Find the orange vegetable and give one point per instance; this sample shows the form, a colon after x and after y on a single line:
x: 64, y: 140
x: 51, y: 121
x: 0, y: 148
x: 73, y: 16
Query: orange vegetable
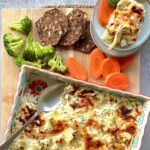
x: 105, y: 11
x: 109, y: 65
x: 117, y: 80
x: 125, y: 61
x: 76, y: 69
x: 96, y: 58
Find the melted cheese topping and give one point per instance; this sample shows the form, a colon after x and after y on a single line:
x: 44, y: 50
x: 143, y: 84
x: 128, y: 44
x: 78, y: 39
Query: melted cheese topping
x: 86, y: 120
x: 124, y: 24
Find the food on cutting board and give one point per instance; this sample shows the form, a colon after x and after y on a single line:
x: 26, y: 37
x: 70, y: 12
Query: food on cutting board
x: 70, y: 30
x: 108, y: 66
x: 23, y: 26
x: 95, y: 60
x: 59, y: 17
x: 116, y: 80
x: 56, y: 64
x: 124, y: 62
x: 86, y: 43
x: 52, y: 26
x: 13, y: 44
x: 85, y: 119
x: 73, y: 29
x: 76, y: 69
x: 33, y: 53
x: 76, y: 27
x: 104, y: 15
x: 124, y: 24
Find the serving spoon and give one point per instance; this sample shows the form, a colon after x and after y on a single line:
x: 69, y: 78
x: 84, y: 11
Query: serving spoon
x: 48, y: 100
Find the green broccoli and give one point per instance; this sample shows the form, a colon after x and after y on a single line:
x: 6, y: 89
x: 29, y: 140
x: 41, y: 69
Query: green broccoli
x: 48, y: 50
x: 13, y: 44
x: 38, y: 48
x: 56, y: 64
x: 29, y: 53
x: 42, y: 51
x: 113, y: 2
x: 23, y: 26
x: 20, y: 61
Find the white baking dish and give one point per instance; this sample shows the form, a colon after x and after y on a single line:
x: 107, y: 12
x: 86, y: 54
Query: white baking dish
x: 30, y: 74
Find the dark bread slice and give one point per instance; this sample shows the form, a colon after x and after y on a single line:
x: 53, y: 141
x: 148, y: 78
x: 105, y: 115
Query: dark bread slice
x: 50, y: 32
x: 77, y: 13
x: 85, y: 45
x: 59, y: 17
x: 73, y: 34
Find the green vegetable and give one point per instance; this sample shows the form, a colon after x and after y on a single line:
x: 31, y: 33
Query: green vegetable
x: 20, y: 61
x: 113, y: 2
x: 42, y: 51
x: 23, y: 26
x: 29, y: 53
x: 13, y: 44
x: 38, y: 48
x: 56, y: 64
x: 48, y: 49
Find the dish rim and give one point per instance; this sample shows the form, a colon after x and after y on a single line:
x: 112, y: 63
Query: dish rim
x: 129, y: 48
x: 67, y: 79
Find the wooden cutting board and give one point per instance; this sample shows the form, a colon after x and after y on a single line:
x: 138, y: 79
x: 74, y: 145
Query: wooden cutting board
x: 10, y: 72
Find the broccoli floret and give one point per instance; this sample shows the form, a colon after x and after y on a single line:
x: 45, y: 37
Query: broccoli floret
x: 13, y: 44
x: 113, y: 2
x: 38, y: 48
x: 29, y: 53
x: 56, y: 64
x: 23, y: 26
x: 48, y: 50
x: 20, y: 61
x: 42, y: 51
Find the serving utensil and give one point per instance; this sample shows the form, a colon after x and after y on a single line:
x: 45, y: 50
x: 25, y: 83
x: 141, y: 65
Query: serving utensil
x: 48, y: 100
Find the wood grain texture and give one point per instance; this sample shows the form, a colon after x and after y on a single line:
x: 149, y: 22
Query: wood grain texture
x: 10, y: 72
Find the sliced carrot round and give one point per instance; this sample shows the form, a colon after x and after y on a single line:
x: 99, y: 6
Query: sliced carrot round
x: 124, y: 61
x: 103, y: 15
x: 96, y: 58
x: 76, y: 69
x: 117, y: 80
x: 109, y: 65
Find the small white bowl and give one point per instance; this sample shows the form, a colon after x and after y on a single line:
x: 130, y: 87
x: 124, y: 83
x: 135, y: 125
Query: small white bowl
x: 97, y: 31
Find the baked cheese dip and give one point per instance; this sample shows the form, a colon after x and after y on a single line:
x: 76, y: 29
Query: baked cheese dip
x: 86, y: 119
x: 124, y: 24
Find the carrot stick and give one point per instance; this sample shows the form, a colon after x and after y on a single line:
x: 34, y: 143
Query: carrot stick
x: 125, y: 61
x: 109, y: 65
x: 117, y: 80
x: 96, y: 58
x: 76, y: 69
x: 105, y: 11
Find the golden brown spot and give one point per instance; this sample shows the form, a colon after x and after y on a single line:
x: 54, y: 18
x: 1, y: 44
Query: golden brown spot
x: 91, y: 144
x: 59, y: 126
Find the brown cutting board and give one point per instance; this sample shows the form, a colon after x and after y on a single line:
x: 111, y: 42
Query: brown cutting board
x: 10, y: 72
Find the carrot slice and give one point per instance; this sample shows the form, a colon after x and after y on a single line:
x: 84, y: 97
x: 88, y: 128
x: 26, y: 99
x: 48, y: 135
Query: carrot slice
x: 105, y: 11
x: 125, y: 61
x: 76, y: 69
x: 96, y: 58
x: 117, y: 80
x: 109, y: 65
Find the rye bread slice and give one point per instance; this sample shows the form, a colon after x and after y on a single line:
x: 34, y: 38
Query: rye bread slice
x: 73, y: 34
x: 50, y: 32
x: 59, y: 17
x: 76, y: 27
x: 85, y: 45
x: 77, y: 13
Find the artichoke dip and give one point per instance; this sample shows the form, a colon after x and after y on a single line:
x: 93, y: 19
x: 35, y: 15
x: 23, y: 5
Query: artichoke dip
x: 86, y: 119
x: 124, y: 24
